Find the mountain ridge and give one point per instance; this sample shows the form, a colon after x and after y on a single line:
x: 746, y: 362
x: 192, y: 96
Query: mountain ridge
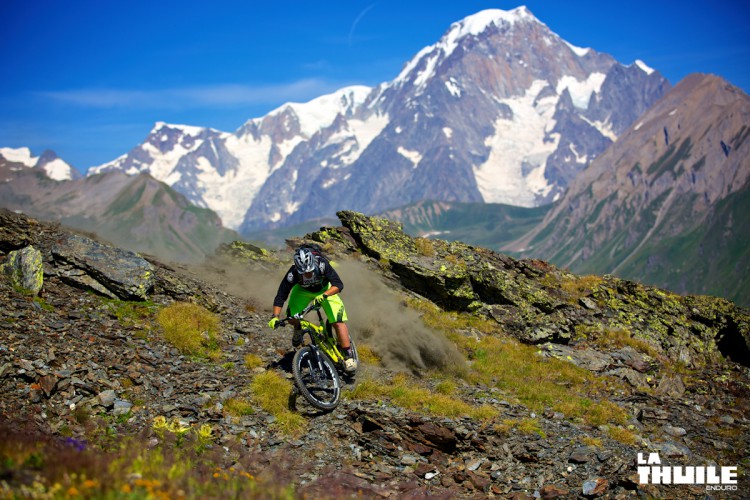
x: 494, y: 79
x: 136, y: 212
x: 661, y: 206
x: 662, y: 179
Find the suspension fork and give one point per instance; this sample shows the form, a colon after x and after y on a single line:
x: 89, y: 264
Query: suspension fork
x: 315, y: 355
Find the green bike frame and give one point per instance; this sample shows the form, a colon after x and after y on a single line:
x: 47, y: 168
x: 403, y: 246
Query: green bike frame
x: 325, y: 340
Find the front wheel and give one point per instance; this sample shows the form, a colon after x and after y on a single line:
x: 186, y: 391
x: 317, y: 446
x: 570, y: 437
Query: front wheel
x: 316, y: 378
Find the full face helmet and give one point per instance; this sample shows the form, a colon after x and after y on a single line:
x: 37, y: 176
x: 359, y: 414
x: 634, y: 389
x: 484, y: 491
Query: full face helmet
x: 304, y: 260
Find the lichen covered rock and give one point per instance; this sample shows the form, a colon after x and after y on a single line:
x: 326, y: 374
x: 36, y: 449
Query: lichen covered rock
x: 105, y: 269
x: 538, y: 302
x: 25, y: 269
x: 247, y: 253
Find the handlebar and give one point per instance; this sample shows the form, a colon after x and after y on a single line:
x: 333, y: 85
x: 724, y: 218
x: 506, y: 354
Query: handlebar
x: 311, y: 307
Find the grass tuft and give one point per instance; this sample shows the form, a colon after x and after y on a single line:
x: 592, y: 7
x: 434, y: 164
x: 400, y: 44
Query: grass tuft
x: 253, y: 361
x: 192, y: 329
x: 238, y: 407
x: 525, y: 426
x: 622, y: 435
x: 517, y: 369
x: 271, y: 391
x: 425, y: 247
x: 403, y: 391
x: 368, y: 356
x: 614, y: 338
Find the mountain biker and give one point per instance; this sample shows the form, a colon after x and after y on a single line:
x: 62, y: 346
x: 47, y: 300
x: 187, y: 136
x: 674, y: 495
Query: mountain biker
x: 312, y: 278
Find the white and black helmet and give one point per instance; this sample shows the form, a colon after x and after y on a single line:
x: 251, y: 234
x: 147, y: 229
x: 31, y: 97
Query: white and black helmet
x: 304, y: 260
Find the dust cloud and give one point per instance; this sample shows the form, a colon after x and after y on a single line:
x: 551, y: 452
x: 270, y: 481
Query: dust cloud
x: 379, y: 318
x: 377, y: 315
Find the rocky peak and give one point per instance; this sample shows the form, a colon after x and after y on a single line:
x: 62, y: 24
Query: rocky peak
x: 165, y: 137
x: 52, y: 166
x: 680, y: 165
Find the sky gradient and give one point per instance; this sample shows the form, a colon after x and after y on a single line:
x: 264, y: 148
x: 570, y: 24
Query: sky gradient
x: 88, y: 79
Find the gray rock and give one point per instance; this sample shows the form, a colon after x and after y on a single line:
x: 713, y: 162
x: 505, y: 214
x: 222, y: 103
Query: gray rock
x: 25, y: 269
x: 726, y: 419
x: 588, y: 303
x: 674, y: 431
x: 121, y: 407
x: 107, y: 398
x: 673, y: 449
x: 585, y: 358
x: 595, y: 487
x: 473, y: 465
x: 582, y: 454
x: 120, y: 272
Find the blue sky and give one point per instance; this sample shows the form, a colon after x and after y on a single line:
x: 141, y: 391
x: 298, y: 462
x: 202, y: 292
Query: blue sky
x: 88, y: 79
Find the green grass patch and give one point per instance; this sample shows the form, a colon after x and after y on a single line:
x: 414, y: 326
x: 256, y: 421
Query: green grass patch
x: 527, y: 426
x: 238, y: 407
x: 253, y: 361
x: 613, y: 338
x: 516, y: 369
x: 541, y: 383
x: 622, y: 435
x: 271, y: 392
x: 191, y: 328
x: 406, y: 392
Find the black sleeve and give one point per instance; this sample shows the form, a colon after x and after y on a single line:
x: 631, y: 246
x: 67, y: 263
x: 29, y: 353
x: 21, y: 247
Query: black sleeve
x: 332, y: 276
x: 286, y: 285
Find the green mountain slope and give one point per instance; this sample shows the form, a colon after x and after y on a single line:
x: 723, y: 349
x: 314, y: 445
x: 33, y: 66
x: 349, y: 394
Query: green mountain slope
x: 713, y: 258
x: 138, y: 213
x: 489, y: 225
x: 666, y: 204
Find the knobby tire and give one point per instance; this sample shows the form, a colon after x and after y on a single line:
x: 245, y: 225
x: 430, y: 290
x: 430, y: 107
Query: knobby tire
x: 323, y: 394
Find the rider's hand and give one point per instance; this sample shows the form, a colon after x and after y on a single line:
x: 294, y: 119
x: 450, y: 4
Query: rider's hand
x: 273, y: 323
x: 319, y: 299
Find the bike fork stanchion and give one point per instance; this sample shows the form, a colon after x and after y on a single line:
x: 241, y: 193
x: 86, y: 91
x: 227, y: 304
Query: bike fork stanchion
x: 316, y: 359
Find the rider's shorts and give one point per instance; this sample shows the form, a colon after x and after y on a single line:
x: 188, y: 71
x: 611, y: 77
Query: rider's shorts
x: 333, y: 306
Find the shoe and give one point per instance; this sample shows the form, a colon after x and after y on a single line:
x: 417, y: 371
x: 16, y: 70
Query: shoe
x: 297, y: 338
x: 350, y: 365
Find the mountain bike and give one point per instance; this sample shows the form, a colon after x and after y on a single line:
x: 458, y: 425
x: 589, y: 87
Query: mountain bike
x: 318, y: 367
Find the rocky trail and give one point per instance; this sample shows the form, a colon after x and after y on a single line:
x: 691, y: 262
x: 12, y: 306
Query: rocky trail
x: 70, y: 360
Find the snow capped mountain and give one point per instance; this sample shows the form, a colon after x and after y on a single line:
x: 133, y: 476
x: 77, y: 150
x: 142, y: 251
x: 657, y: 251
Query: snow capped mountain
x: 428, y: 59
x: 20, y: 155
x: 224, y: 171
x: 52, y: 166
x: 500, y: 109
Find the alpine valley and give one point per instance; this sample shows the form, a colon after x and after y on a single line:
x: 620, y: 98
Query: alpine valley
x: 500, y: 134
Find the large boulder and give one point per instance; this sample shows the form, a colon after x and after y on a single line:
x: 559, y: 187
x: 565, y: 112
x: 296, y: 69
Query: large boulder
x: 110, y: 271
x: 25, y: 269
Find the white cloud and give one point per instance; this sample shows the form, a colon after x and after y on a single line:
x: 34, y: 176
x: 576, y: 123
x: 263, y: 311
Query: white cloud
x: 220, y: 95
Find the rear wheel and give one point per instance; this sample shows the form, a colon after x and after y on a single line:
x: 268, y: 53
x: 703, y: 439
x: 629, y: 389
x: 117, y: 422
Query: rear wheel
x: 353, y: 347
x: 348, y: 377
x: 316, y: 378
